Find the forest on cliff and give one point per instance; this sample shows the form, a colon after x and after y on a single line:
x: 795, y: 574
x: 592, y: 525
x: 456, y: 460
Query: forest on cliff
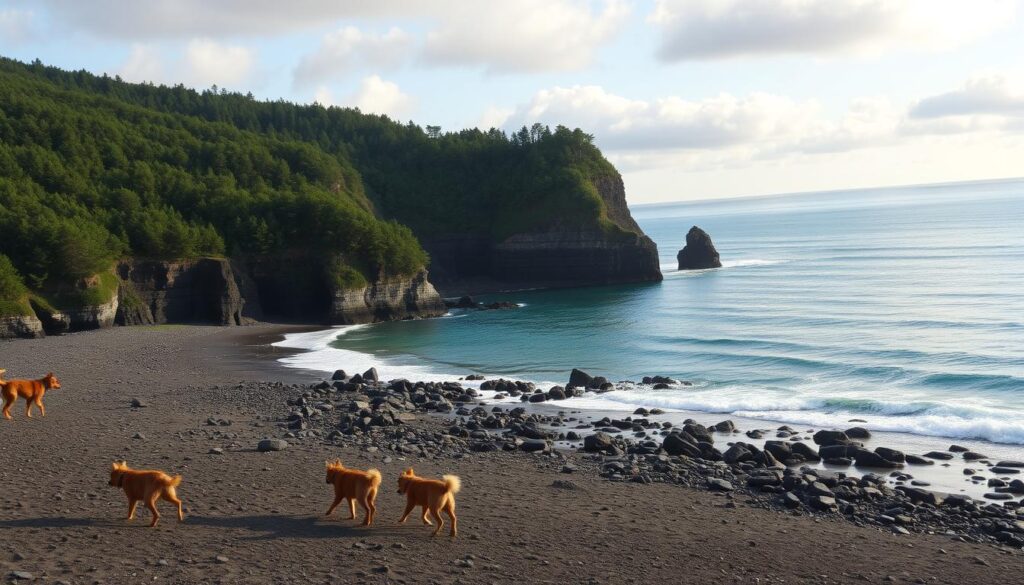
x: 93, y: 169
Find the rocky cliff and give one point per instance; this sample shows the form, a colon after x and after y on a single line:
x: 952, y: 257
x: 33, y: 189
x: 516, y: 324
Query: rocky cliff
x: 560, y: 253
x: 20, y: 326
x: 204, y: 290
x: 387, y: 299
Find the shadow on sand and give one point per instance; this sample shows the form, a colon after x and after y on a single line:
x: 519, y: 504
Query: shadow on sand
x: 280, y: 526
x: 56, y: 522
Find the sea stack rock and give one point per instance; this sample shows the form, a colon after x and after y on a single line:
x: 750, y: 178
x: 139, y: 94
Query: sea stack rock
x: 699, y: 252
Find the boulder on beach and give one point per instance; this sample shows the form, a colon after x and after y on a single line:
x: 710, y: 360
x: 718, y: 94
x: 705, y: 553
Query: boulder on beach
x: 271, y: 445
x: 699, y: 252
x: 826, y: 438
x: 597, y: 442
x: 579, y: 379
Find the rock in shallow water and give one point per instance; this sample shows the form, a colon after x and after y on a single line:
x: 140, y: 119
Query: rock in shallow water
x: 699, y: 252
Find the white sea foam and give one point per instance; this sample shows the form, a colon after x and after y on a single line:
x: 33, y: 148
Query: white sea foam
x: 964, y: 419
x: 320, y: 355
x: 673, y: 267
x: 961, y: 421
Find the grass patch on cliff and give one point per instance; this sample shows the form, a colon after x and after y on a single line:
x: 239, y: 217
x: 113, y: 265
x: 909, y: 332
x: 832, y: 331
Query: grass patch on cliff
x: 68, y: 297
x: 13, y: 293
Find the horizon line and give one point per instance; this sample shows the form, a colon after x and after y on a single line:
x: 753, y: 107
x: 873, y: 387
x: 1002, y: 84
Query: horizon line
x: 833, y: 191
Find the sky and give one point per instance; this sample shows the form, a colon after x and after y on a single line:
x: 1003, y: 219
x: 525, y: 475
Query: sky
x: 690, y: 99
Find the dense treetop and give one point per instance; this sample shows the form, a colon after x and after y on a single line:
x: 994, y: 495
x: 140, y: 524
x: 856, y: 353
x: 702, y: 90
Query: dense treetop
x: 93, y: 169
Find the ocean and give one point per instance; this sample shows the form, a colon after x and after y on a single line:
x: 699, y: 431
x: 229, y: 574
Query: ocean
x: 903, y: 307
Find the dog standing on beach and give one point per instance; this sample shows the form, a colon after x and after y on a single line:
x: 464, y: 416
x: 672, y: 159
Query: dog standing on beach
x: 31, y: 390
x: 434, y: 495
x: 354, y: 485
x: 145, y: 485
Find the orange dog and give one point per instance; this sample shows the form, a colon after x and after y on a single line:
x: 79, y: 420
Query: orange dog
x: 146, y: 486
x: 434, y: 495
x: 354, y: 485
x: 31, y: 390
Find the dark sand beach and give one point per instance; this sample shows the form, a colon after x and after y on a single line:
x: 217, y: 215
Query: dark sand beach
x: 256, y: 517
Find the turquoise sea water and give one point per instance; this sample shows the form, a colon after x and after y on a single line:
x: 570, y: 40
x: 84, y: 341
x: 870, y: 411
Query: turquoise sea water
x: 903, y: 306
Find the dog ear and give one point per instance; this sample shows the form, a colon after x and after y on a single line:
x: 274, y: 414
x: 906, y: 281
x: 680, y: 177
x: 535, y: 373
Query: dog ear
x: 408, y: 471
x: 50, y: 375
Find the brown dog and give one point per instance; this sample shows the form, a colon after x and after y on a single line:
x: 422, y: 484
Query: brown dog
x: 31, y: 390
x: 354, y: 485
x: 434, y: 495
x: 146, y: 486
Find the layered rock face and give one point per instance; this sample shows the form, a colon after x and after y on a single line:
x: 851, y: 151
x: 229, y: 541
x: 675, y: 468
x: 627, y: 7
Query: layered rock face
x: 387, y: 299
x: 20, y: 326
x: 558, y: 255
x: 699, y: 252
x: 574, y: 258
x: 204, y: 290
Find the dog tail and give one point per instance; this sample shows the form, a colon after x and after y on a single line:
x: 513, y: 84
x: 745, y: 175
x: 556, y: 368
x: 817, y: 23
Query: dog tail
x: 452, y: 483
x: 374, y: 477
x: 175, y: 481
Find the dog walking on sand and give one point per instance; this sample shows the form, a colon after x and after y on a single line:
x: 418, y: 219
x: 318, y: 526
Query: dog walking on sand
x: 145, y: 485
x: 31, y: 390
x: 433, y: 495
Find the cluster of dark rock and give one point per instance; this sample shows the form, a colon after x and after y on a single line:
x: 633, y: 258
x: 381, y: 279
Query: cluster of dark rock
x: 467, y: 302
x: 377, y: 416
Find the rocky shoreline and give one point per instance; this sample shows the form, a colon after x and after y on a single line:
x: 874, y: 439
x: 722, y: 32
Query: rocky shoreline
x: 200, y: 402
x: 449, y: 420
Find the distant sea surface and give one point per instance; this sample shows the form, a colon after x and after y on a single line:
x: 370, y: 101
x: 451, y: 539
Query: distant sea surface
x: 901, y: 306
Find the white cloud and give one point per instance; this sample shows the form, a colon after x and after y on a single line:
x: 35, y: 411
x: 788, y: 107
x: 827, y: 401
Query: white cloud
x: 494, y: 117
x: 989, y: 95
x: 144, y: 64
x: 208, y: 62
x: 349, y: 49
x: 761, y: 121
x: 527, y: 35
x: 199, y: 63
x: 374, y: 96
x: 151, y: 20
x: 15, y: 26
x: 711, y: 29
x: 506, y: 36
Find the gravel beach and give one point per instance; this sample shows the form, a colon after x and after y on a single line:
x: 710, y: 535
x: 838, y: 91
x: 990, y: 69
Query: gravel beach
x: 197, y: 401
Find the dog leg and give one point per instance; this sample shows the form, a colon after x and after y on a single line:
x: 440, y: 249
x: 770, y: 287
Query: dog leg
x: 151, y: 504
x: 8, y: 402
x: 440, y: 521
x: 371, y: 500
x: 39, y: 404
x: 351, y: 508
x: 28, y: 408
x: 171, y: 496
x: 337, y: 500
x: 408, y: 510
x: 131, y: 508
x: 424, y: 517
x: 365, y: 504
x: 450, y: 510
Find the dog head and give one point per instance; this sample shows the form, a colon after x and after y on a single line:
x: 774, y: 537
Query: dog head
x: 332, y: 469
x: 403, y: 480
x: 50, y: 381
x: 117, y: 470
